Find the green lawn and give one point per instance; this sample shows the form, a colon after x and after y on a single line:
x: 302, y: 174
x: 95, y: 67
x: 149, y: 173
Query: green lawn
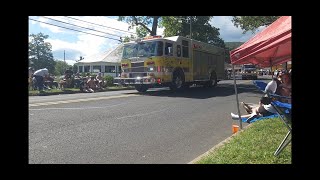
x: 253, y: 145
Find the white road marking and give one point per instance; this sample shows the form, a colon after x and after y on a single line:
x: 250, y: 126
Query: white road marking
x: 141, y: 114
x: 79, y: 100
x: 80, y: 108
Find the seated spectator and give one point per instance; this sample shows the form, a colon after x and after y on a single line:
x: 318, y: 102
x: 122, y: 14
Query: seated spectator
x: 68, y: 73
x: 263, y: 109
x: 84, y: 86
x: 92, y: 84
x: 284, y: 89
x: 100, y: 80
x: 77, y: 80
x: 50, y: 82
x: 285, y: 86
x: 272, y: 86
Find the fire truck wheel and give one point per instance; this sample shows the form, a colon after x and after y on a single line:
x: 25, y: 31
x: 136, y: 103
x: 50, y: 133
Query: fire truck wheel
x: 213, y: 80
x: 141, y: 88
x: 177, y: 81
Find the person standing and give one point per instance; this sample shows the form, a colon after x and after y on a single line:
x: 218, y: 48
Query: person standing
x: 272, y: 86
x: 68, y: 75
x: 30, y: 77
x: 40, y: 75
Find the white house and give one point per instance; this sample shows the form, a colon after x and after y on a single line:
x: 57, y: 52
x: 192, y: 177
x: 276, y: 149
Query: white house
x: 108, y: 62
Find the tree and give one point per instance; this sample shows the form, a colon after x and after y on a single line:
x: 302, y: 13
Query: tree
x: 142, y: 21
x: 60, y: 67
x: 40, y: 53
x: 201, y: 29
x: 176, y: 25
x: 75, y: 68
x: 230, y: 46
x: 251, y: 23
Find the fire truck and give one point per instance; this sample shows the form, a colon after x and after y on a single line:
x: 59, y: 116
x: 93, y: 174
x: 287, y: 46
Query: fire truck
x: 176, y: 62
x: 249, y: 71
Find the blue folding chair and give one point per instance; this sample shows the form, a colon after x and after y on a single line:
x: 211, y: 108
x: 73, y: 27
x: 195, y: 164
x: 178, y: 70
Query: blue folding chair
x: 260, y: 85
x: 251, y: 120
x: 284, y: 112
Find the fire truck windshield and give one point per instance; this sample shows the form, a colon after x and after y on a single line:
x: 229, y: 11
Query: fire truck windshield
x: 143, y: 49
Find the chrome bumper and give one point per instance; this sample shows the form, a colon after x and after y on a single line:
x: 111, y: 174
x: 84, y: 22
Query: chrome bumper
x: 138, y: 80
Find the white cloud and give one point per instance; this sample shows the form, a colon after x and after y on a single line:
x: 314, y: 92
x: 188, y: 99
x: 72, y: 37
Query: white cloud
x: 52, y: 28
x: 78, y: 44
x: 160, y: 31
x: 230, y: 33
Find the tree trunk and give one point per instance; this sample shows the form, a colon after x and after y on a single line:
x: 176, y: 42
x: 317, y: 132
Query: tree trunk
x: 154, y: 25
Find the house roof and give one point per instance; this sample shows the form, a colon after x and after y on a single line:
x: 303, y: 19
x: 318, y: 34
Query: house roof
x: 113, y: 56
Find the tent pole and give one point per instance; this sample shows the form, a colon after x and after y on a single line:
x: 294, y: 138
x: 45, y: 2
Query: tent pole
x: 235, y: 89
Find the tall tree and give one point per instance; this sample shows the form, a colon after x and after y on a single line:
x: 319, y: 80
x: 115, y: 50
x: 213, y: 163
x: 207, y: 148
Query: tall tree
x: 60, y: 67
x: 140, y: 31
x: 176, y: 25
x: 40, y: 52
x: 251, y: 23
x: 142, y: 21
x: 200, y: 28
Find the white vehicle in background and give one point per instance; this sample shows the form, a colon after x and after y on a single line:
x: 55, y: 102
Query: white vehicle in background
x: 249, y: 71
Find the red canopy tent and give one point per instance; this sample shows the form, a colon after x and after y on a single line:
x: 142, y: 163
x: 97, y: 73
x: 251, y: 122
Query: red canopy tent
x: 272, y: 46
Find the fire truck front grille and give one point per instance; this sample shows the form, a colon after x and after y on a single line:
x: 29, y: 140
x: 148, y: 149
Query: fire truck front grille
x: 134, y: 75
x: 138, y: 69
x: 139, y: 64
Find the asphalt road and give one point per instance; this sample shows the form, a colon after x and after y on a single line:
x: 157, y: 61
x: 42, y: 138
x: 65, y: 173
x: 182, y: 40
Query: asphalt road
x: 126, y: 127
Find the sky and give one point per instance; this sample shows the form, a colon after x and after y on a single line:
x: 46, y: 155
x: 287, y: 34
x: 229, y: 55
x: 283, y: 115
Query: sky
x: 73, y: 38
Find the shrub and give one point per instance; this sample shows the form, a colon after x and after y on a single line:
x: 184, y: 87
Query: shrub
x: 109, y: 80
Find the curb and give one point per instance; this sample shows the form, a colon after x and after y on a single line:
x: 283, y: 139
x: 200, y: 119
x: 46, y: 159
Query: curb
x: 218, y: 145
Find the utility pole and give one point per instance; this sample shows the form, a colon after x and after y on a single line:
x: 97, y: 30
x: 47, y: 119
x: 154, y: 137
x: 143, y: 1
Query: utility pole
x: 64, y: 55
x: 190, y: 29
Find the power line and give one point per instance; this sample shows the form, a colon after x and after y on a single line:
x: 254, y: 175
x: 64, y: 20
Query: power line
x: 80, y: 26
x: 75, y: 30
x: 100, y: 25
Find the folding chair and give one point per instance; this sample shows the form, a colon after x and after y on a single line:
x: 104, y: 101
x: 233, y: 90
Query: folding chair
x: 258, y: 118
x: 284, y: 112
x: 260, y: 85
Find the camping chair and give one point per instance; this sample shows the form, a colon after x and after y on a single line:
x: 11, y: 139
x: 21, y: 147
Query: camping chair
x: 284, y: 112
x: 260, y: 85
x: 254, y: 119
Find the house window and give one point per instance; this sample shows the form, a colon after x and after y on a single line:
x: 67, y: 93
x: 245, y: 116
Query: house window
x: 86, y: 68
x: 80, y: 69
x: 96, y: 68
x: 110, y: 69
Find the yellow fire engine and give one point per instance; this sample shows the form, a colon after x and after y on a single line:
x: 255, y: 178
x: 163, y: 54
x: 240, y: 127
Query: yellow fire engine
x: 176, y: 62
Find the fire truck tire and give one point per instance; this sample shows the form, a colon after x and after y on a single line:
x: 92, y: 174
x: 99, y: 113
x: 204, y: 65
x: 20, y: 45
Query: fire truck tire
x: 177, y: 81
x: 213, y: 80
x: 141, y: 88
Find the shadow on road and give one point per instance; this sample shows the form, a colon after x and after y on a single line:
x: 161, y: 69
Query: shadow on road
x: 204, y: 93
